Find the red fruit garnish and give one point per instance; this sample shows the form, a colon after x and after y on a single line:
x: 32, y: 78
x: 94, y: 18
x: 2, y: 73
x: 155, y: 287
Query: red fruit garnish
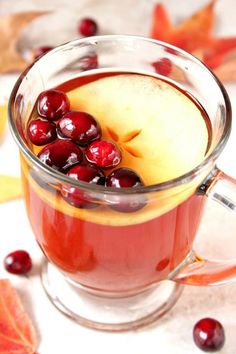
x: 86, y: 173
x: 41, y: 131
x: 38, y: 52
x: 103, y: 154
x: 163, y: 66
x: 80, y: 127
x: 52, y: 104
x: 125, y: 178
x: 208, y: 334
x: 18, y: 262
x: 18, y: 335
x: 61, y: 155
x: 87, y: 27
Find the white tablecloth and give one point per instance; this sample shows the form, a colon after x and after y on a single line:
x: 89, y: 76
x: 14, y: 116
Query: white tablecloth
x: 173, y: 333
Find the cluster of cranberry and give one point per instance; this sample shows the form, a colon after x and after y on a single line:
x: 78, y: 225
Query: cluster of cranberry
x: 72, y: 144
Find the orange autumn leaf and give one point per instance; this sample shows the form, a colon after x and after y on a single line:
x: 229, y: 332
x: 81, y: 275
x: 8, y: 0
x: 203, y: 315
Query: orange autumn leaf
x: 11, y: 27
x: 226, y: 71
x: 215, y: 55
x: 161, y: 24
x: 195, y: 35
x: 191, y: 34
x: 196, y: 31
x: 17, y: 334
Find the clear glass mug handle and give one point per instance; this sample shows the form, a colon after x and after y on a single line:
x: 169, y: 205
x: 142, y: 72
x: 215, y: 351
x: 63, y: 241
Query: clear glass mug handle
x: 199, y: 271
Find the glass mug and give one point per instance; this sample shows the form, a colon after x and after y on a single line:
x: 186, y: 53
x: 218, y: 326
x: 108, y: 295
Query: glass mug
x: 106, y: 269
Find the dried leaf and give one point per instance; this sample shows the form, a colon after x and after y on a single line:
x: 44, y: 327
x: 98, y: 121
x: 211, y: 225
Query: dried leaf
x: 3, y: 119
x: 227, y: 71
x: 10, y: 188
x: 11, y: 27
x: 195, y: 35
x: 196, y: 31
x: 217, y: 53
x: 161, y: 25
x: 17, y: 334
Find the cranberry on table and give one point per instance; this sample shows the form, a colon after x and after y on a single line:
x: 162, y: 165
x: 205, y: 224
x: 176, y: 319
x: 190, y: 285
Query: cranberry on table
x: 52, y: 104
x: 103, y: 153
x: 61, y: 155
x: 209, y: 335
x: 18, y: 262
x: 125, y: 178
x: 41, y: 131
x: 80, y: 127
x: 38, y: 52
x: 86, y: 173
x: 87, y: 27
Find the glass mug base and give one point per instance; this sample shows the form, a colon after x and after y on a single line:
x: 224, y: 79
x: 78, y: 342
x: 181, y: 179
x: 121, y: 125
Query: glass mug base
x: 94, y: 310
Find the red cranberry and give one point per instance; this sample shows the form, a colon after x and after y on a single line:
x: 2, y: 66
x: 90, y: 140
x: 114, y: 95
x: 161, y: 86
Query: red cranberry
x: 208, y: 334
x: 52, y: 104
x: 125, y: 178
x: 38, y: 52
x: 18, y: 262
x: 61, y: 155
x: 87, y: 27
x: 163, y: 66
x: 86, y: 173
x: 80, y: 127
x: 103, y: 153
x: 41, y: 132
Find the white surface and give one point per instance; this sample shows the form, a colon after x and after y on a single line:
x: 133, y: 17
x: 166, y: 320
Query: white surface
x: 173, y: 333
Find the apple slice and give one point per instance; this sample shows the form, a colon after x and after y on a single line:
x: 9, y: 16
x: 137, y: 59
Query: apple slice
x: 160, y: 131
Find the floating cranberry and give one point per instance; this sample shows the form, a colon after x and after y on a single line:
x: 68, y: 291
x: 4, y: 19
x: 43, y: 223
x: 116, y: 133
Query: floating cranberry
x: 163, y: 66
x: 38, y: 52
x: 61, y: 155
x: 86, y: 173
x: 208, y: 334
x: 18, y: 262
x: 52, y: 104
x: 103, y: 153
x: 41, y: 131
x: 80, y: 127
x: 87, y: 27
x: 125, y: 178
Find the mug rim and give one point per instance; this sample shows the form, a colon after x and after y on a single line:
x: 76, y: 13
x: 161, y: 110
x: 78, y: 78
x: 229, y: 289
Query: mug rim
x: 185, y: 178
